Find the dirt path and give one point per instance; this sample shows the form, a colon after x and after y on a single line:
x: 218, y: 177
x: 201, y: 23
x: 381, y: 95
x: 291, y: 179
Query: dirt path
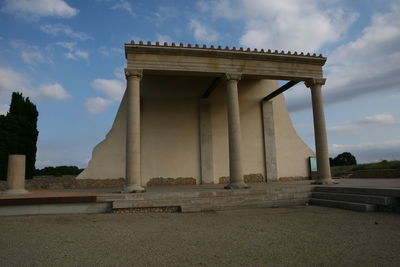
x: 301, y: 236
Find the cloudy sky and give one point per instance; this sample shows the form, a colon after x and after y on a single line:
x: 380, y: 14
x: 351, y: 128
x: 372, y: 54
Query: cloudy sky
x: 68, y: 57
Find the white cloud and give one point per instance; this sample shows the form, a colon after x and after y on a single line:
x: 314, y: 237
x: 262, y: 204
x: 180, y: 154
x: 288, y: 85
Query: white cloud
x: 371, y: 151
x: 123, y: 5
x: 119, y: 4
x: 106, y: 51
x: 119, y: 73
x: 53, y: 91
x: 164, y: 14
x: 97, y: 104
x: 112, y: 88
x: 39, y: 8
x: 72, y: 52
x: 30, y: 54
x: 32, y: 57
x: 202, y: 32
x: 11, y: 81
x: 377, y: 120
x: 290, y: 25
x: 61, y: 29
x: 4, y: 109
x: 163, y: 38
x: 366, y: 65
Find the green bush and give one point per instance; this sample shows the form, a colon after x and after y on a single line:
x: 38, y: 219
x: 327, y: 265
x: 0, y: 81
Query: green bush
x: 344, y: 159
x: 58, y: 171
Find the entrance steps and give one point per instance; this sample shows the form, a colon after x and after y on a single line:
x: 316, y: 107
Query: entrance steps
x: 357, y: 199
x: 157, y: 199
x: 39, y: 204
x: 209, y: 200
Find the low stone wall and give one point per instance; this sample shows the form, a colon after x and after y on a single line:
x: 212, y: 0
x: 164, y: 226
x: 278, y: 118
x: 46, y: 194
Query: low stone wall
x: 252, y: 178
x: 288, y: 179
x: 171, y: 181
x: 392, y: 173
x: 67, y: 182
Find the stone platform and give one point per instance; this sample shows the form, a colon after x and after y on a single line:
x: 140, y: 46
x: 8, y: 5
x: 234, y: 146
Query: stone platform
x: 162, y: 198
x: 192, y: 198
x: 210, y: 198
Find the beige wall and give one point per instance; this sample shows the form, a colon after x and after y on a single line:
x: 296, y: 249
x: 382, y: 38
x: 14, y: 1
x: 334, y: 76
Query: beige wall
x: 291, y: 152
x: 250, y: 93
x: 170, y: 127
x: 170, y: 132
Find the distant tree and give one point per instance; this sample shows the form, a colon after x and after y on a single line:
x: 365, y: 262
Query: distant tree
x: 18, y: 133
x: 59, y: 170
x: 344, y: 159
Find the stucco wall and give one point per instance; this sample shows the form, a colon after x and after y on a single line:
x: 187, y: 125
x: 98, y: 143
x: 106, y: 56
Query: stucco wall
x: 170, y: 132
x: 292, y: 153
x: 170, y: 126
x: 250, y: 93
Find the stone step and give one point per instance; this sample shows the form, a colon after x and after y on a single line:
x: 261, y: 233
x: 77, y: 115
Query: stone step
x: 214, y: 202
x: 343, y: 205
x: 390, y: 192
x: 367, y: 199
x: 57, y: 208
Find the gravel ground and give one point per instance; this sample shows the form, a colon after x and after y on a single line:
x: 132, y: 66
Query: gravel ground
x: 297, y: 236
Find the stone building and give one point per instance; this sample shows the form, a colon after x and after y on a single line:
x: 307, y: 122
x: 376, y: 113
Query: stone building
x: 209, y: 113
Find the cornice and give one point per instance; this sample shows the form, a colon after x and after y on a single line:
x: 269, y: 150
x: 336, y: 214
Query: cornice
x: 219, y: 52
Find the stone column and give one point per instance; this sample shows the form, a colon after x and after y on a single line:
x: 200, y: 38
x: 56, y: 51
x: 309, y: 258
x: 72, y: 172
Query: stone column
x: 271, y: 164
x: 234, y: 132
x: 206, y: 142
x: 321, y: 141
x: 133, y: 173
x: 16, y: 175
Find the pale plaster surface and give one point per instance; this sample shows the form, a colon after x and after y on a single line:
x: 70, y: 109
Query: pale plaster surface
x: 292, y: 153
x: 171, y: 132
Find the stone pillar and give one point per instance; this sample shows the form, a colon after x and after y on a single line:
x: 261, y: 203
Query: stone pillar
x: 132, y: 171
x: 16, y: 175
x: 321, y: 141
x: 271, y: 164
x: 234, y: 132
x: 206, y: 142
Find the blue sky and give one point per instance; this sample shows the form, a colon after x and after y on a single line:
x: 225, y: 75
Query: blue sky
x: 67, y: 56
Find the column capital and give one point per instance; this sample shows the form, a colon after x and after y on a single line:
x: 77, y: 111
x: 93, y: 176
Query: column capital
x: 133, y: 72
x: 232, y: 76
x: 314, y: 81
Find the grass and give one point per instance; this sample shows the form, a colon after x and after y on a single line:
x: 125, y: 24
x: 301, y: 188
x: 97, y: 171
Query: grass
x: 384, y: 164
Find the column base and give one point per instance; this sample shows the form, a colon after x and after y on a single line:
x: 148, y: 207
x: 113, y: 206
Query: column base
x: 133, y: 189
x: 324, y: 181
x: 237, y: 185
x: 15, y: 192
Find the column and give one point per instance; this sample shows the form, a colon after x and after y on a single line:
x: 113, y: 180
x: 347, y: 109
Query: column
x: 321, y: 141
x: 234, y: 133
x: 16, y: 175
x: 271, y: 165
x: 206, y: 142
x: 133, y: 174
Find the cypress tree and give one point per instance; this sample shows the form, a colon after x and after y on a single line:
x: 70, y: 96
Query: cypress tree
x: 18, y: 134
